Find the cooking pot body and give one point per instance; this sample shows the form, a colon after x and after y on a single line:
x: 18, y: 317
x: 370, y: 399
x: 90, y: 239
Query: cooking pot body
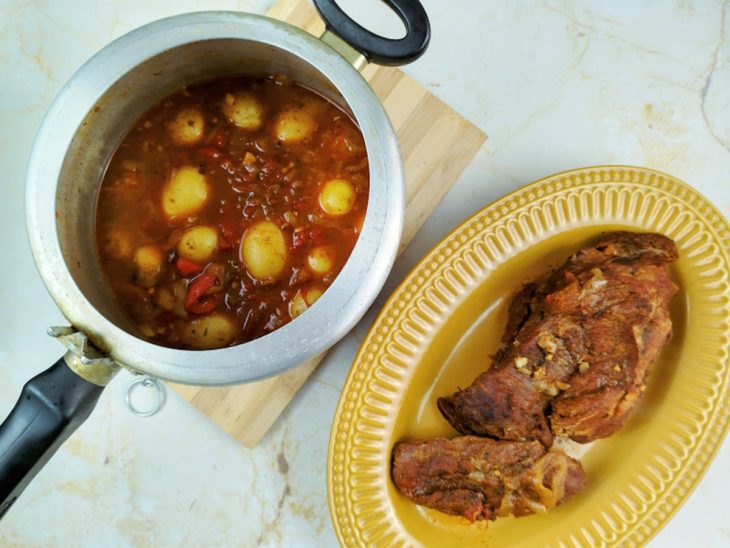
x: 95, y: 110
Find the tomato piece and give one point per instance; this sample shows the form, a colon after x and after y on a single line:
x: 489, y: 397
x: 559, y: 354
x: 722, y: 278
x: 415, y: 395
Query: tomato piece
x: 187, y: 268
x: 270, y: 167
x: 211, y: 153
x: 228, y: 233
x: 304, y: 236
x: 317, y: 234
x: 196, y: 300
x: 220, y: 138
x: 228, y: 166
x: 299, y: 239
x: 250, y: 208
x: 225, y: 243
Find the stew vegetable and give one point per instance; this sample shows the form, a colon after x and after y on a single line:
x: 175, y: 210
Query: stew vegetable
x: 228, y: 210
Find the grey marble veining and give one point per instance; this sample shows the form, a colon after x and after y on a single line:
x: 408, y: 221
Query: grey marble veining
x: 555, y: 85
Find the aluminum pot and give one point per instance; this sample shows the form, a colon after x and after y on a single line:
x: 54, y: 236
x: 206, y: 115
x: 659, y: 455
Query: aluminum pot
x: 87, y: 121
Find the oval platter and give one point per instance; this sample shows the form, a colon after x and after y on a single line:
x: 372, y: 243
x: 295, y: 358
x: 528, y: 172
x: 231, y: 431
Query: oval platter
x: 438, y: 329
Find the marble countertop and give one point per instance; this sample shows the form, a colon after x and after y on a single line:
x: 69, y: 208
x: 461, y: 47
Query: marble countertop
x: 555, y: 84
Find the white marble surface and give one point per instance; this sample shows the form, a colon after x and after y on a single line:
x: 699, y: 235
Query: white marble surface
x: 555, y: 84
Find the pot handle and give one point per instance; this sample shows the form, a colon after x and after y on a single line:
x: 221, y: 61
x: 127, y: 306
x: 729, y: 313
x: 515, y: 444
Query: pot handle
x: 384, y: 51
x: 51, y: 407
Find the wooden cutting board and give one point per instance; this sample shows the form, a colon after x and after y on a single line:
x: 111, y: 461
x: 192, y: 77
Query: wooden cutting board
x: 436, y: 145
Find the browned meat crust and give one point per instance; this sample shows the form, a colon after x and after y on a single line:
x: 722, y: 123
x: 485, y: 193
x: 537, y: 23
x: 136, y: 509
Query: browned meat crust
x: 578, y: 346
x: 482, y: 479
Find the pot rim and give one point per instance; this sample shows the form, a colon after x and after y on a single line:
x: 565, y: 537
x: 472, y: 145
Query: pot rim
x: 345, y: 301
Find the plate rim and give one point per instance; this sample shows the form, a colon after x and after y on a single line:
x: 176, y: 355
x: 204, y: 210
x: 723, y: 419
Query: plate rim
x: 651, y: 520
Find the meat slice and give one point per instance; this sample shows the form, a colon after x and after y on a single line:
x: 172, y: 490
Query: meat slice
x: 627, y: 322
x: 578, y: 346
x: 482, y: 479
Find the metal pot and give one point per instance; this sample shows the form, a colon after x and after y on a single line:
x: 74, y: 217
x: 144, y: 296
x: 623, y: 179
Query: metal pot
x: 85, y: 124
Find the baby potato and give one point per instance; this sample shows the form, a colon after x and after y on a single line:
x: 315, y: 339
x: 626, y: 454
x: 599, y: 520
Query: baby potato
x: 185, y: 193
x: 172, y: 298
x: 118, y: 243
x: 312, y: 295
x: 263, y: 250
x: 294, y: 125
x: 297, y: 305
x: 337, y: 197
x: 165, y: 298
x: 243, y: 110
x: 213, y: 331
x: 146, y: 330
x: 321, y: 259
x: 198, y: 243
x: 148, y: 265
x: 302, y: 300
x: 187, y: 128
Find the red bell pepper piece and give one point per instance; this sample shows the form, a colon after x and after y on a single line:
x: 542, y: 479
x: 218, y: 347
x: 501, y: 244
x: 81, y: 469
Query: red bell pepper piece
x: 196, y: 301
x: 187, y: 268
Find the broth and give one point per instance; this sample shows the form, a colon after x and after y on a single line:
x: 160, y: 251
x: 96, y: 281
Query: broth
x: 228, y: 210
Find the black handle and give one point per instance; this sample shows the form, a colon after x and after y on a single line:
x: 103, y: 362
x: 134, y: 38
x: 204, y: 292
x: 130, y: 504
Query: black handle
x: 384, y: 51
x: 51, y: 406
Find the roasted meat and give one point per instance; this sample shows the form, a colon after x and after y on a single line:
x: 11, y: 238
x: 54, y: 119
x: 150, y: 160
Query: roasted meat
x: 578, y: 346
x: 482, y: 479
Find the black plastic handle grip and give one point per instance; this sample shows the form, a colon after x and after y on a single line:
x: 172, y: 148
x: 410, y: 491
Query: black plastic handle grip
x: 384, y: 51
x: 51, y: 406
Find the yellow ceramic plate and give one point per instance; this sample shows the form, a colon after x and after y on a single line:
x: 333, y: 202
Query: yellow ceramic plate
x: 439, y: 327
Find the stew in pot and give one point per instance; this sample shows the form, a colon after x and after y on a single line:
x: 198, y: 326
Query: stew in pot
x: 228, y: 210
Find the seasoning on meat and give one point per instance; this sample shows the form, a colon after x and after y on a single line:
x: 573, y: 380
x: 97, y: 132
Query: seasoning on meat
x: 578, y: 346
x: 482, y: 479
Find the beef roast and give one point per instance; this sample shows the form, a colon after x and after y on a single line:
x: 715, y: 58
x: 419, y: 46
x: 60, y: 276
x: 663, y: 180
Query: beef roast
x: 578, y: 346
x: 482, y: 479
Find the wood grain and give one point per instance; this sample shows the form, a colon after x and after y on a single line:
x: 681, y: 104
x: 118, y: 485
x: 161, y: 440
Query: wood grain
x: 436, y: 144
